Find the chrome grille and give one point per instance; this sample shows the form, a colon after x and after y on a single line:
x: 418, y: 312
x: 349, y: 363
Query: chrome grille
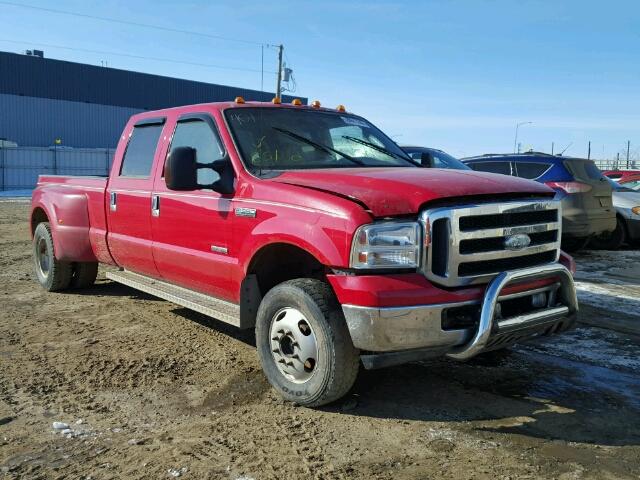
x: 466, y: 245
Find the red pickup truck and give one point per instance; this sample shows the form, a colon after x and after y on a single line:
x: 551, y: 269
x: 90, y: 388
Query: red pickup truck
x: 315, y: 228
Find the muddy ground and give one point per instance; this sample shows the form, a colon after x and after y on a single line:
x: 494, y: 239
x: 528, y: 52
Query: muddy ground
x: 150, y: 390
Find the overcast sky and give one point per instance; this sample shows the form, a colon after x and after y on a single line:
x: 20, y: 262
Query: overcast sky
x: 456, y: 75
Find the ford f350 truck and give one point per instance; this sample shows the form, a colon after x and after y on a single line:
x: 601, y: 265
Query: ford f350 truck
x: 313, y: 227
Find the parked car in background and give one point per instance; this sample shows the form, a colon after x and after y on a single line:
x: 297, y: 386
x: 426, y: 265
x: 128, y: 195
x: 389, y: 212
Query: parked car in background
x: 620, y: 175
x: 434, y: 158
x: 631, y: 182
x: 587, y: 207
x: 627, y: 204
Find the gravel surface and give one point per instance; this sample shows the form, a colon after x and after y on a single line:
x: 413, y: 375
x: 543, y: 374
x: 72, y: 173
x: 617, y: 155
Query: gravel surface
x: 110, y: 383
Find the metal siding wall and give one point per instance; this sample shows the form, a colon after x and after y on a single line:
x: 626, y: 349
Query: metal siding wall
x: 60, y: 80
x: 20, y: 166
x: 39, y: 121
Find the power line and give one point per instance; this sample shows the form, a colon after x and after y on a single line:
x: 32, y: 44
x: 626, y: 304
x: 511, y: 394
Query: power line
x: 129, y: 55
x: 130, y: 23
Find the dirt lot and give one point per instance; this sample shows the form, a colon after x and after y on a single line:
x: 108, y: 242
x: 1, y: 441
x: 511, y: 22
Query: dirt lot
x: 150, y: 390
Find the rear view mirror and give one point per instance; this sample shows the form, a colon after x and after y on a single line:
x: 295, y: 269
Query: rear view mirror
x: 180, y: 169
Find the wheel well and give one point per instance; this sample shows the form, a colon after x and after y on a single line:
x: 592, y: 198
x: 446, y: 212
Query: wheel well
x: 38, y: 216
x: 270, y: 266
x: 280, y: 262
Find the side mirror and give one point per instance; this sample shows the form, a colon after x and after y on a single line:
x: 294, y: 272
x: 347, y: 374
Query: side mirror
x: 426, y: 160
x: 180, y: 169
x: 181, y: 172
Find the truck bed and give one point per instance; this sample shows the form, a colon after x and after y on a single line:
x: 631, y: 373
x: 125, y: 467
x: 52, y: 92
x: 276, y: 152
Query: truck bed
x: 75, y: 208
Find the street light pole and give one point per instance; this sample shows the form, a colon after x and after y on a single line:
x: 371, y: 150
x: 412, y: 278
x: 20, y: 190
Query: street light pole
x: 515, y: 141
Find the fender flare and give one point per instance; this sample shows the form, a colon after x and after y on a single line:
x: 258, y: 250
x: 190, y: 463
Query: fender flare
x: 68, y: 215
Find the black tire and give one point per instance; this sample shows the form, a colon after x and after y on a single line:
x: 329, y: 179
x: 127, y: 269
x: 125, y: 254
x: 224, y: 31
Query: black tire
x: 51, y: 273
x: 610, y: 240
x: 572, y: 244
x: 338, y: 360
x: 84, y: 274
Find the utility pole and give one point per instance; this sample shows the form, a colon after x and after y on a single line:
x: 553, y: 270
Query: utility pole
x: 278, y: 85
x: 589, y: 151
x: 628, y: 145
x: 552, y: 145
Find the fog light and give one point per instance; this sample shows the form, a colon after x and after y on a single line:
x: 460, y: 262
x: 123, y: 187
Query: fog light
x: 539, y: 300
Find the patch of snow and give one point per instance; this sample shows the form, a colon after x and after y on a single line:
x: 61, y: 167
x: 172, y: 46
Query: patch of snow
x: 60, y: 426
x: 175, y: 472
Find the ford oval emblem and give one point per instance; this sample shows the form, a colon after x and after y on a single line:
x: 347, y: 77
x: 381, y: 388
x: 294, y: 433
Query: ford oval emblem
x: 517, y: 242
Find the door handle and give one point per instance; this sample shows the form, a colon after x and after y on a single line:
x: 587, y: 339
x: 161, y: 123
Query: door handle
x: 112, y: 201
x: 155, y: 205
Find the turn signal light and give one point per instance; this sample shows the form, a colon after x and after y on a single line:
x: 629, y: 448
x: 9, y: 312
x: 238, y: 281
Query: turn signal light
x: 636, y: 210
x: 296, y: 102
x: 239, y: 100
x: 341, y: 108
x: 570, y: 187
x: 315, y: 104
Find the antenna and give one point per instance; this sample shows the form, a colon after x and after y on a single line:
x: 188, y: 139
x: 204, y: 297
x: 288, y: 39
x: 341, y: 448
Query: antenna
x: 566, y: 148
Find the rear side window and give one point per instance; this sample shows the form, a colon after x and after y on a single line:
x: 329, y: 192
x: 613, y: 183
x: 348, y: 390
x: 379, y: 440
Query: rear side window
x: 492, y: 167
x: 141, y: 149
x: 531, y: 170
x: 198, y: 135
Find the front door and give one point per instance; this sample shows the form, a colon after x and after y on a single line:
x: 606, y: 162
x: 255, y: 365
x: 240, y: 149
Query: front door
x: 191, y: 230
x: 129, y: 197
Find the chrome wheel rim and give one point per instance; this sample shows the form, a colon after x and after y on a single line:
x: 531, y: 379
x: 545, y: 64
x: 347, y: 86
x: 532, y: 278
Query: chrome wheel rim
x: 43, y: 260
x: 293, y: 345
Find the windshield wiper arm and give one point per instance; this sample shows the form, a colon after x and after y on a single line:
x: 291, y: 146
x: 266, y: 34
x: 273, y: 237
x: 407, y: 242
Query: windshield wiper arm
x: 381, y: 149
x: 319, y: 146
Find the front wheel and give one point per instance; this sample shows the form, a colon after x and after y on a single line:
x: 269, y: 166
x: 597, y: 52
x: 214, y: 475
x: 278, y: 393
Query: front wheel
x: 304, y: 344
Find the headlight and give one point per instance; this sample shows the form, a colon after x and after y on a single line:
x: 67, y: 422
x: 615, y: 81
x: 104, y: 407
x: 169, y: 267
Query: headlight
x: 386, y: 245
x: 636, y: 210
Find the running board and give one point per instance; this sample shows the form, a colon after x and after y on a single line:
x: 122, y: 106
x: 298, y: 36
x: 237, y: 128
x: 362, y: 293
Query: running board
x: 213, y: 307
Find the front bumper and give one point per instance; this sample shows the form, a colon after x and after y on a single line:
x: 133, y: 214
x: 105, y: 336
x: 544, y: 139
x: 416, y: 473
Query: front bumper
x: 395, y: 329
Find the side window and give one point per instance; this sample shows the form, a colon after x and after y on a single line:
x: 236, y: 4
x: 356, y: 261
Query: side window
x: 198, y: 134
x: 138, y: 158
x: 492, y: 167
x: 531, y: 170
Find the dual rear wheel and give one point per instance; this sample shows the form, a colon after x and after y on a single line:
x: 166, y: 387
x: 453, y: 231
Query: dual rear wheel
x: 53, y: 274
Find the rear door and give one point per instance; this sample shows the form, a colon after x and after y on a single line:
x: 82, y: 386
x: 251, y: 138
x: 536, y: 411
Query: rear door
x: 597, y: 201
x: 129, y: 197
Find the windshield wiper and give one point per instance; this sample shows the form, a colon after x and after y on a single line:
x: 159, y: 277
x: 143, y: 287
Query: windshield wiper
x: 381, y: 149
x: 318, y: 146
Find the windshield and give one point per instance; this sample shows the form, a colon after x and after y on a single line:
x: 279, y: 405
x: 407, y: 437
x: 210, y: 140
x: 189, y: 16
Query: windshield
x: 289, y: 139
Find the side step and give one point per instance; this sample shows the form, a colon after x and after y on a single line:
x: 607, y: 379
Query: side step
x: 213, y: 307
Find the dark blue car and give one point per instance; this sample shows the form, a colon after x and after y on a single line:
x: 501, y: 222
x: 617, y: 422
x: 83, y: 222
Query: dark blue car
x: 587, y: 209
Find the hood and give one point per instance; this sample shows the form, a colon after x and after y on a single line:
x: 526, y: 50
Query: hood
x: 400, y: 191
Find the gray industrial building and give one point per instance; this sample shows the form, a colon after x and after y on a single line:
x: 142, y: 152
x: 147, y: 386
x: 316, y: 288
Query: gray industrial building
x: 86, y: 106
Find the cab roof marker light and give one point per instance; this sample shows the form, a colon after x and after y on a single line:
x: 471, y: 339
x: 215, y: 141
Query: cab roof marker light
x: 341, y: 108
x: 276, y: 101
x: 296, y: 101
x: 315, y: 104
x: 239, y: 100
